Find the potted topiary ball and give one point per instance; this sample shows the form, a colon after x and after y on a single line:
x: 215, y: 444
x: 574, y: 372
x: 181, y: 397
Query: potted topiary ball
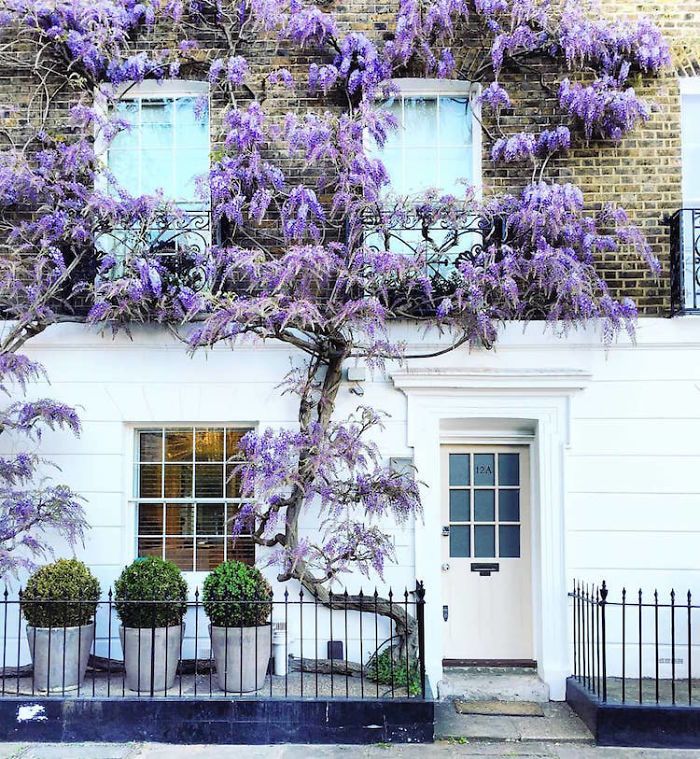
x: 237, y: 600
x: 150, y: 600
x: 59, y: 605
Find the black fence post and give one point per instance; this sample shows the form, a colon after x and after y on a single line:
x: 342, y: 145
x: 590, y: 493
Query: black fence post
x: 420, y: 618
x: 603, y: 599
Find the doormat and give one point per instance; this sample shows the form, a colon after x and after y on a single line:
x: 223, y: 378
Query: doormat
x: 500, y: 708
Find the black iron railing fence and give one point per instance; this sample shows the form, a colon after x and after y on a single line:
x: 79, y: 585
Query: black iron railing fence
x: 366, y: 647
x: 637, y: 646
x: 684, y: 227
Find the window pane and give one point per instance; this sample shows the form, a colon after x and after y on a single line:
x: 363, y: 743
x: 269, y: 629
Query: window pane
x: 484, y: 506
x: 459, y: 469
x: 455, y: 122
x: 150, y: 446
x: 157, y: 172
x: 209, y: 445
x: 210, y: 519
x: 509, y: 469
x: 178, y: 445
x: 180, y: 551
x: 459, y: 541
x: 150, y: 484
x: 233, y: 439
x: 241, y: 549
x: 125, y: 170
x: 157, y: 127
x: 420, y: 170
x: 391, y: 158
x: 179, y: 519
x: 485, y: 541
x: 509, y: 541
x: 150, y: 547
x: 233, y: 482
x: 509, y: 505
x: 210, y: 553
x: 454, y: 170
x: 150, y: 519
x: 484, y: 473
x: 178, y: 480
x: 419, y: 123
x: 393, y: 139
x: 127, y: 139
x: 209, y: 480
x: 459, y: 505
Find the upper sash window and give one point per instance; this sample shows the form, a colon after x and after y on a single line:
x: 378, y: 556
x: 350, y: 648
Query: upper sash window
x: 437, y: 144
x: 166, y: 146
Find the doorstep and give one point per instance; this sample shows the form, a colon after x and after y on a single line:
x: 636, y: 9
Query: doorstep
x: 558, y: 725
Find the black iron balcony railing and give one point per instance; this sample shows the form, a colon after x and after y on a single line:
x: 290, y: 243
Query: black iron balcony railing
x: 685, y: 261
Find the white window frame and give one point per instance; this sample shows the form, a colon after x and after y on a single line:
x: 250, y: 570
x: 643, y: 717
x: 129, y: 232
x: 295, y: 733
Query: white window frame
x: 151, y: 89
x: 193, y: 576
x: 417, y: 87
x: 688, y: 87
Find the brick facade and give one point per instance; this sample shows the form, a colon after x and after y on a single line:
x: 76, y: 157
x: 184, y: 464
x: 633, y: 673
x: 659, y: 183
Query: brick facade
x: 643, y: 173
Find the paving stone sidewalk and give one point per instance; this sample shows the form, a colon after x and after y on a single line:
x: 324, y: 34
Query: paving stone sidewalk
x: 439, y: 750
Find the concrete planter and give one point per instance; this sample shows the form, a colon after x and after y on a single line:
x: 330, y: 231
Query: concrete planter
x: 242, y: 655
x: 60, y: 656
x: 151, y: 656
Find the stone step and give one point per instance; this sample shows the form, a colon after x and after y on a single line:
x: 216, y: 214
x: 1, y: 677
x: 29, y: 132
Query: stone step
x: 492, y: 683
x: 559, y: 725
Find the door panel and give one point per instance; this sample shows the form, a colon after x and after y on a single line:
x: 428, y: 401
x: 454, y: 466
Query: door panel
x: 486, y: 552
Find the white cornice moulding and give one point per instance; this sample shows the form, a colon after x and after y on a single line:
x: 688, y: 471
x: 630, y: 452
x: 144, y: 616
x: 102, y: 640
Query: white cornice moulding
x: 432, y: 381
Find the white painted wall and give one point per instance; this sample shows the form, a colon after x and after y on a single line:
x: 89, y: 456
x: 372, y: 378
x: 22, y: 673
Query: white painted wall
x: 621, y: 460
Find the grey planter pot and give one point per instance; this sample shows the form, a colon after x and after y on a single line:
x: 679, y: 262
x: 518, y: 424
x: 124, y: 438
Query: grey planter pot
x: 242, y: 655
x: 60, y: 656
x: 151, y: 656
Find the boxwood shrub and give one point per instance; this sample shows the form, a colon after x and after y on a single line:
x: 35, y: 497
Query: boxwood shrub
x: 66, y: 580
x: 150, y: 592
x: 237, y: 595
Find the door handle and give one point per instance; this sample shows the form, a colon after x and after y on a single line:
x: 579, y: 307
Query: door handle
x: 445, y: 567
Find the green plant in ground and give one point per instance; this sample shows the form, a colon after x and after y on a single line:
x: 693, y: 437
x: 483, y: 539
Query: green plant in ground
x: 237, y: 595
x: 387, y: 670
x: 44, y: 601
x: 150, y: 592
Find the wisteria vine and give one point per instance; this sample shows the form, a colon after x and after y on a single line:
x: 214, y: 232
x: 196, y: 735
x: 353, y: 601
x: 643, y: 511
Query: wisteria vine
x: 306, y: 250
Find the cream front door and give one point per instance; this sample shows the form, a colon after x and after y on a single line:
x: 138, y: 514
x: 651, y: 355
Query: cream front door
x: 486, y: 556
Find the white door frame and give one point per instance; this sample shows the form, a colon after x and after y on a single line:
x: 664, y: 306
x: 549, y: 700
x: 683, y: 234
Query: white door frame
x: 504, y: 406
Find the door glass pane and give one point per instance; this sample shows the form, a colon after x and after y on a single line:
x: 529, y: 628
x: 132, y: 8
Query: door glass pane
x: 459, y: 469
x: 484, y: 469
x: 459, y: 505
x: 509, y: 505
x: 509, y: 469
x: 484, y: 506
x: 509, y: 541
x: 459, y: 541
x: 484, y: 541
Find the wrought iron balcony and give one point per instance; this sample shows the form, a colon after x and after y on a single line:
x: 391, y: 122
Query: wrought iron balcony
x: 685, y: 261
